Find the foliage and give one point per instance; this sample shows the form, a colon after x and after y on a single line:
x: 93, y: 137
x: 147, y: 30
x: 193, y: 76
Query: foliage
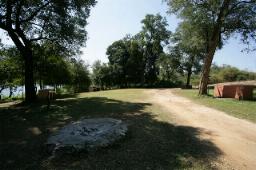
x: 203, y: 15
x: 168, y: 65
x: 51, y: 69
x: 216, y: 21
x: 228, y: 73
x: 35, y: 21
x: 55, y: 67
x: 118, y: 55
x: 136, y: 60
x: 135, y: 63
x: 80, y: 75
x: 52, y: 66
x: 11, y: 69
x: 30, y: 22
x: 190, y: 45
x: 141, y: 60
x: 127, y: 62
x: 102, y: 75
x: 225, y: 73
x: 95, y: 76
x: 154, y: 36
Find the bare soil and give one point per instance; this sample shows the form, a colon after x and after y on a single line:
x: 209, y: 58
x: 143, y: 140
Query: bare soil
x: 236, y: 138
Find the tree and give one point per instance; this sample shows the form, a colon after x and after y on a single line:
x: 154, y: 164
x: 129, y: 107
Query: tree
x: 11, y: 68
x: 118, y: 55
x: 220, y: 19
x: 132, y: 60
x: 154, y: 35
x: 228, y: 73
x: 127, y: 62
x: 56, y: 71
x: 190, y: 45
x: 102, y: 75
x: 52, y: 66
x: 81, y: 79
x: 96, y: 68
x: 135, y: 63
x: 169, y: 66
x: 30, y: 22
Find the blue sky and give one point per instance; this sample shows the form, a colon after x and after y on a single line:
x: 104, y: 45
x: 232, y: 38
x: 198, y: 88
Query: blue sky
x: 111, y: 20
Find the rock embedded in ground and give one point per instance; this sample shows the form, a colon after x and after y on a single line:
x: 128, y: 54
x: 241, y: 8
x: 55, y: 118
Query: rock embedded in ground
x: 86, y: 135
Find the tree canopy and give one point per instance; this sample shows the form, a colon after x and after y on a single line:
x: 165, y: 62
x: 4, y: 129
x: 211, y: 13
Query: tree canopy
x: 217, y: 20
x: 140, y: 60
x: 154, y: 36
x: 33, y: 22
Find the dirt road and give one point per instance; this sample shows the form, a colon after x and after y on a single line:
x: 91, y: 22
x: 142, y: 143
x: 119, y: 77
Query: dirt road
x: 236, y: 138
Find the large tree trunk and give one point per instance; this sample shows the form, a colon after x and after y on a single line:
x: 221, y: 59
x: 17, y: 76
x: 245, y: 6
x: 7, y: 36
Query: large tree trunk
x: 30, y: 93
x: 1, y: 89
x: 206, y: 71
x: 189, y: 70
x: 26, y: 52
x: 188, y: 78
x: 11, y: 91
x: 214, y: 42
x: 40, y: 83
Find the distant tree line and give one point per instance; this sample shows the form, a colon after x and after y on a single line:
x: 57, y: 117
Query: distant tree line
x: 51, y: 68
x: 225, y: 73
x: 154, y: 57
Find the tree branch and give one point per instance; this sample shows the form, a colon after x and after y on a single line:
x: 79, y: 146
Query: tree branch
x: 22, y: 36
x: 41, y: 37
x: 8, y: 14
x: 35, y: 13
x: 41, y: 33
x: 16, y: 40
x: 37, y: 38
x: 18, y: 11
x: 241, y: 2
x: 3, y: 26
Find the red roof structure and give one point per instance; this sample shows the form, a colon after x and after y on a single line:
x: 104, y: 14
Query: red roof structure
x: 237, y: 91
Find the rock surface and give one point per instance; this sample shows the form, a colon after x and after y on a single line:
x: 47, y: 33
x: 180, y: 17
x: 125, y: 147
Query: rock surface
x: 86, y: 135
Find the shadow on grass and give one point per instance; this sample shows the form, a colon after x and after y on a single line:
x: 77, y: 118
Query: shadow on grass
x: 150, y: 144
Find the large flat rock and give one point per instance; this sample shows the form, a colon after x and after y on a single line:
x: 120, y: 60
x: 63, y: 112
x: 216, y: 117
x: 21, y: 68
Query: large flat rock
x: 86, y: 135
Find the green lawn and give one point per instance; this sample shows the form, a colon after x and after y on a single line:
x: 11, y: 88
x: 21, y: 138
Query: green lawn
x: 153, y: 141
x: 239, y: 109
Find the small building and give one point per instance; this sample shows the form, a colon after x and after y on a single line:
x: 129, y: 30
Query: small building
x: 46, y: 94
x: 237, y: 91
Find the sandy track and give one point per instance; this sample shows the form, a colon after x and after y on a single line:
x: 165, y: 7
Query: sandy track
x: 236, y: 138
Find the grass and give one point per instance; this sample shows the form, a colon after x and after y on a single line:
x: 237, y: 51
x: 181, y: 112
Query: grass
x: 240, y: 109
x: 153, y: 141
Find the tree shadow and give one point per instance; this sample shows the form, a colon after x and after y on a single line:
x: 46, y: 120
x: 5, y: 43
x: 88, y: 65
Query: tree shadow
x: 150, y: 143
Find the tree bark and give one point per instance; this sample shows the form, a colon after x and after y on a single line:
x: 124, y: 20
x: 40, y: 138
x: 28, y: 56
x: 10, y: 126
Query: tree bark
x: 189, y: 70
x: 214, y: 42
x: 30, y: 92
x: 26, y: 52
x: 10, y: 92
x: 40, y: 83
x: 188, y: 78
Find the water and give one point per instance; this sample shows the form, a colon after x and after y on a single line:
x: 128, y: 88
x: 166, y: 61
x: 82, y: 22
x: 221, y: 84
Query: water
x: 20, y: 91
